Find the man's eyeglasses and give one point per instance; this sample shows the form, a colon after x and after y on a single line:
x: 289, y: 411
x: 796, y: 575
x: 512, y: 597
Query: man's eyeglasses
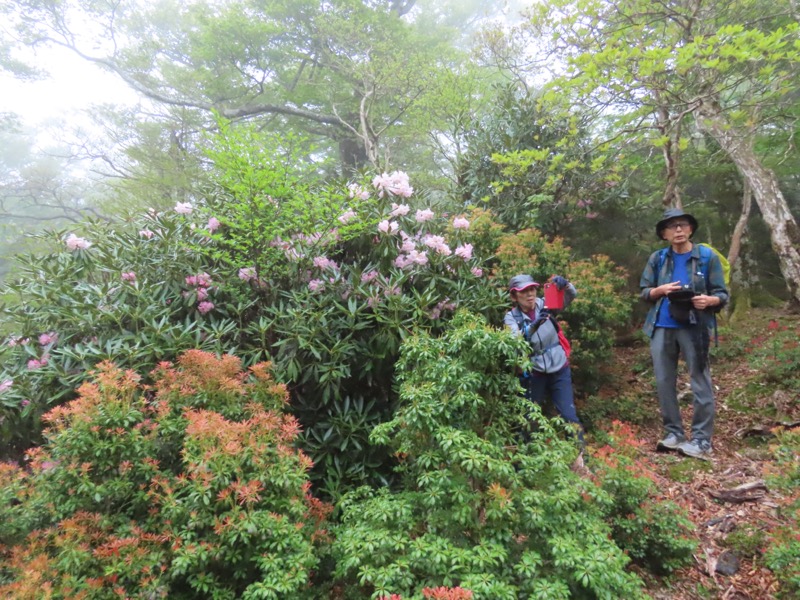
x: 676, y: 224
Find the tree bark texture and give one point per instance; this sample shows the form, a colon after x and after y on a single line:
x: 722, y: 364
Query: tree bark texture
x: 741, y: 225
x: 785, y: 233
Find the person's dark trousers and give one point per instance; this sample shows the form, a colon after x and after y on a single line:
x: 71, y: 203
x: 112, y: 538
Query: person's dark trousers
x: 665, y: 348
x: 559, y: 386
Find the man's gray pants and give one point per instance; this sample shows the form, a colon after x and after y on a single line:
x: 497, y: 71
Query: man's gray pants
x: 665, y: 347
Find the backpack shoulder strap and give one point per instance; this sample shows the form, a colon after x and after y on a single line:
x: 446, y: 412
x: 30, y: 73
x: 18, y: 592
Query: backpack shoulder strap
x: 662, y: 256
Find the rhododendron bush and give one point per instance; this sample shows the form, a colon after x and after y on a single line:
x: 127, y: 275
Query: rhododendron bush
x: 326, y: 280
x: 189, y: 488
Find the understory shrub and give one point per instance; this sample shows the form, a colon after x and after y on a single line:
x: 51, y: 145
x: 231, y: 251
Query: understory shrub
x: 478, y: 507
x: 325, y: 280
x: 135, y: 294
x: 655, y: 533
x: 783, y: 552
x: 189, y: 488
x: 776, y: 355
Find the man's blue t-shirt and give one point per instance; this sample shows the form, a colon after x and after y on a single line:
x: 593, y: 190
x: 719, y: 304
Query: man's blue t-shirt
x: 680, y: 273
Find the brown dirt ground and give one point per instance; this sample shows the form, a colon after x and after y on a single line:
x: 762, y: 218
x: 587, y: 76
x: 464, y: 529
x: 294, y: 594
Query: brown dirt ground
x: 741, y: 456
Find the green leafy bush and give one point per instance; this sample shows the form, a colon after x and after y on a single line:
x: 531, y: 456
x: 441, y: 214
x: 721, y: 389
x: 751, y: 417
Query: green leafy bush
x: 188, y: 488
x: 654, y: 533
x: 600, y: 308
x: 497, y: 519
x: 135, y: 294
x: 776, y: 355
x: 783, y: 553
x: 274, y: 264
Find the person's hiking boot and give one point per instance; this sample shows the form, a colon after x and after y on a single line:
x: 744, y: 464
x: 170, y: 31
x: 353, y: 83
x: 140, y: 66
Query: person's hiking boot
x: 671, y: 442
x: 696, y: 449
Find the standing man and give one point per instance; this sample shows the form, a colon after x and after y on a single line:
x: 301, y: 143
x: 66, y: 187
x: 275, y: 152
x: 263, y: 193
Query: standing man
x: 685, y: 286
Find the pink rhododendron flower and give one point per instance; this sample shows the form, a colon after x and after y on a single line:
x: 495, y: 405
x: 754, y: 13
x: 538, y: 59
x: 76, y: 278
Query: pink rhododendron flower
x: 129, y: 276
x: 460, y: 223
x: 356, y: 191
x: 25, y: 403
x: 74, y: 242
x: 392, y: 291
x: 477, y: 271
x: 346, y: 217
x: 213, y: 224
x: 199, y: 280
x: 323, y: 262
x: 184, y: 208
x: 202, y: 294
x: 146, y: 233
x: 247, y: 273
x: 369, y: 276
x: 438, y: 244
x: 464, y: 251
x: 388, y: 226
x: 36, y: 364
x: 424, y: 215
x: 399, y: 210
x: 408, y: 245
x: 316, y: 285
x: 15, y: 340
x: 396, y: 184
x: 6, y: 385
x: 402, y: 261
x: 205, y: 307
x: 592, y: 215
x: 48, y: 338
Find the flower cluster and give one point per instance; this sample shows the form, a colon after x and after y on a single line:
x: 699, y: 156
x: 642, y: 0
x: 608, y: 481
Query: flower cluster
x: 184, y: 208
x: 38, y: 363
x: 73, y: 242
x: 358, y: 192
x: 48, y: 338
x: 201, y: 282
x: 247, y: 273
x: 129, y: 276
x: 395, y: 184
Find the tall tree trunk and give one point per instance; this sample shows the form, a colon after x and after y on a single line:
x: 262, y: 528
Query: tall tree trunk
x: 784, y: 232
x: 741, y: 224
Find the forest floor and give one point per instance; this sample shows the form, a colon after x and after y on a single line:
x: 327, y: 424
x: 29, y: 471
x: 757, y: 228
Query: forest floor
x: 748, y: 410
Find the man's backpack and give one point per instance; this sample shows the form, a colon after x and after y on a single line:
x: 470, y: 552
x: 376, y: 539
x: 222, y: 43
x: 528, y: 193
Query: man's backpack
x: 726, y: 266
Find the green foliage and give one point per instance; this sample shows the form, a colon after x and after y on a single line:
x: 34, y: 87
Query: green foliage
x: 500, y: 520
x: 600, y: 308
x: 136, y: 294
x: 746, y: 541
x: 654, y: 533
x: 783, y: 552
x: 531, y: 167
x: 330, y: 304
x: 192, y: 489
x: 264, y: 199
x: 775, y: 353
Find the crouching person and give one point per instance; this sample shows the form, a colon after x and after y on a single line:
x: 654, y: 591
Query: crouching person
x: 549, y: 371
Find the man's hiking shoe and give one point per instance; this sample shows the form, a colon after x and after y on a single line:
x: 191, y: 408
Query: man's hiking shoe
x: 671, y: 442
x: 696, y: 449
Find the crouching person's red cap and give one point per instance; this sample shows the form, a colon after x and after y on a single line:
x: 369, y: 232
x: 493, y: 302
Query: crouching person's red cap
x: 521, y: 282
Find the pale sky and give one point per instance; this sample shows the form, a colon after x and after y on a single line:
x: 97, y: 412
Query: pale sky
x: 74, y: 85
